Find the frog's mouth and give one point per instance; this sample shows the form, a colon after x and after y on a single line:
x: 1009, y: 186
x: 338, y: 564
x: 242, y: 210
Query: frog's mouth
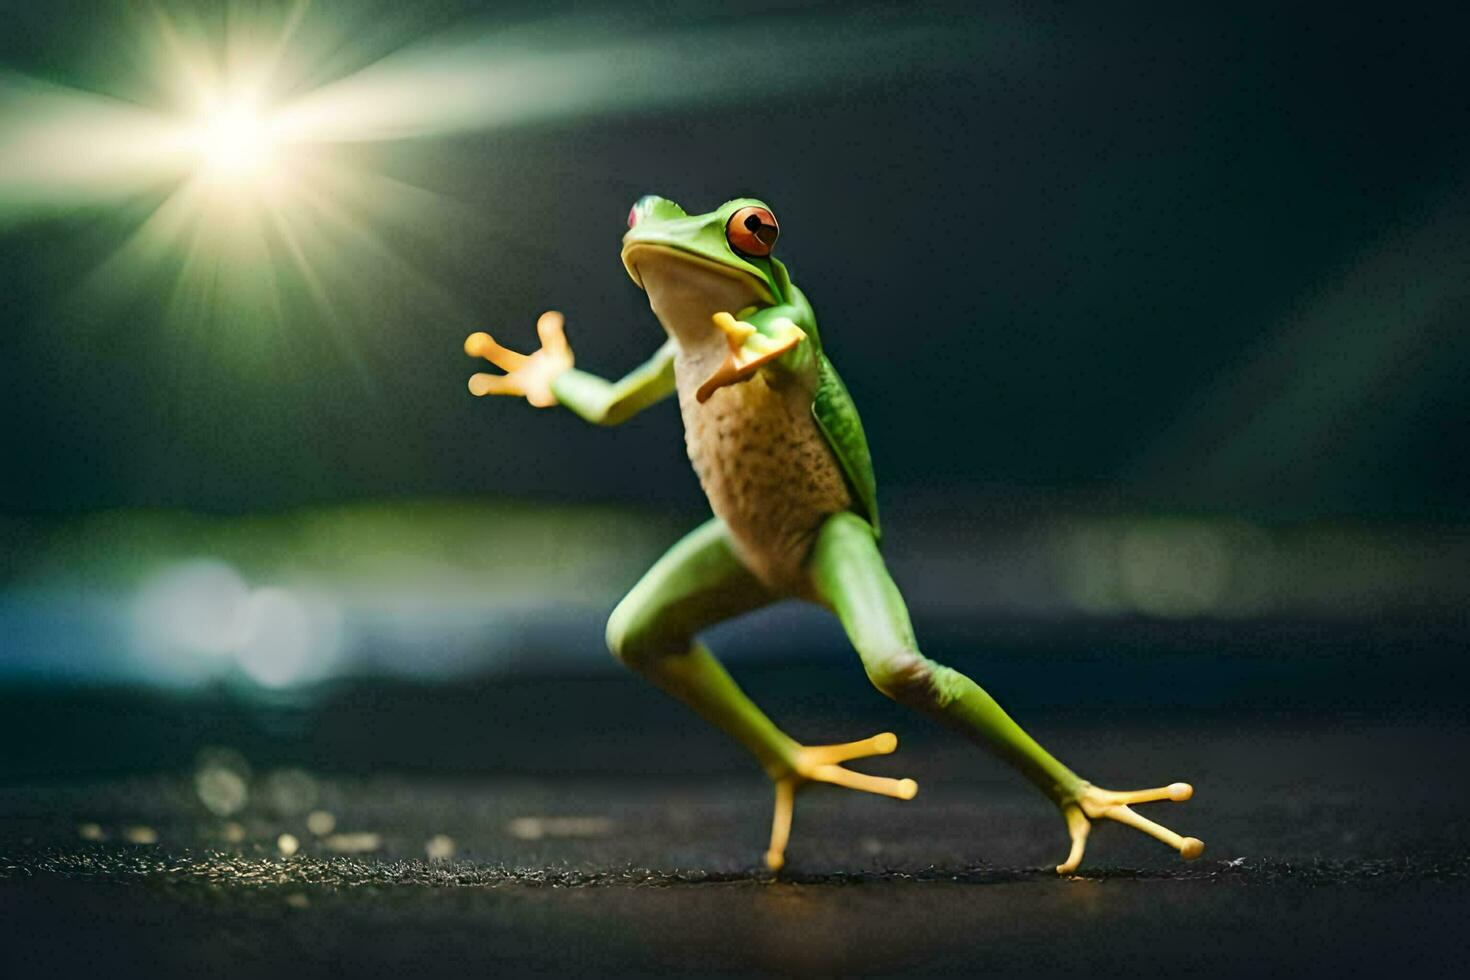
x: 653, y: 253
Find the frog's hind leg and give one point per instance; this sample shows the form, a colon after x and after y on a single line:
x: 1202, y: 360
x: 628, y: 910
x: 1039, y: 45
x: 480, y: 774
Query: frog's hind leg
x: 698, y: 583
x: 848, y: 575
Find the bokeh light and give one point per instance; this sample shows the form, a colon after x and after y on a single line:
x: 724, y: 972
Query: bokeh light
x: 189, y: 618
x: 1171, y: 568
x: 440, y: 847
x: 198, y: 620
x: 290, y: 792
x: 222, y: 781
x: 321, y: 822
x: 288, y: 638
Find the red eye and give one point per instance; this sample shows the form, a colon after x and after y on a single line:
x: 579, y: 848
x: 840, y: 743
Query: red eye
x: 632, y: 216
x: 752, y: 231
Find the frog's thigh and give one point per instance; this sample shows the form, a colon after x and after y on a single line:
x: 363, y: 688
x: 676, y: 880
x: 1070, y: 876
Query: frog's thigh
x: 848, y: 575
x: 697, y: 583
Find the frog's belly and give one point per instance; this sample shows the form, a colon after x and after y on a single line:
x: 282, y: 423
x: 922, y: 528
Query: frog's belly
x: 766, y: 468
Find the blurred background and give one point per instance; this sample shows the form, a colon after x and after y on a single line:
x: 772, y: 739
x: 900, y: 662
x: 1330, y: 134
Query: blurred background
x: 1156, y: 319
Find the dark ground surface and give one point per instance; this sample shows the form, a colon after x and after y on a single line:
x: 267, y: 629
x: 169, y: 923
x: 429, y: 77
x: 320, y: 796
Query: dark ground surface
x: 1331, y: 799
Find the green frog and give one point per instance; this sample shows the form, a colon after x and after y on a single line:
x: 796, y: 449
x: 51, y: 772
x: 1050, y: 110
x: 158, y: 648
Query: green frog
x: 780, y: 452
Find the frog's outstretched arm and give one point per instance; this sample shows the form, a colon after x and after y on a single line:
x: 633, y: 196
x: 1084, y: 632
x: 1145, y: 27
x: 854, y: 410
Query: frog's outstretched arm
x: 547, y: 377
x: 605, y: 402
x: 696, y: 584
x: 849, y: 576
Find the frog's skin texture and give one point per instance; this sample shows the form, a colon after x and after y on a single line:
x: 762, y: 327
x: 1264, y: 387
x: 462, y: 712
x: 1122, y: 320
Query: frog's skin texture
x: 781, y: 455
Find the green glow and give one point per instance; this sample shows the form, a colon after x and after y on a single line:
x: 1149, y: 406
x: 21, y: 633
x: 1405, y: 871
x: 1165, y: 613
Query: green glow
x: 251, y: 123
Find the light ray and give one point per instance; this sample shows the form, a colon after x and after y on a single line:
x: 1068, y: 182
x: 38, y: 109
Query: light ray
x: 504, y: 78
x: 1281, y: 413
x: 64, y: 147
x: 251, y: 124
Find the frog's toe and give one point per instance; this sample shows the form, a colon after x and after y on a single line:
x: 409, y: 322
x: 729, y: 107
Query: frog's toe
x: 1092, y: 803
x: 821, y: 764
x: 736, y: 332
x: 750, y: 349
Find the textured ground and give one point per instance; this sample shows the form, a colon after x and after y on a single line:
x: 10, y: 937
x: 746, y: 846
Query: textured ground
x: 615, y: 835
x: 1311, y: 868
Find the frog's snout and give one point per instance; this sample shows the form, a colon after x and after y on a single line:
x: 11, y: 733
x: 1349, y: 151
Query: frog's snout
x: 642, y: 207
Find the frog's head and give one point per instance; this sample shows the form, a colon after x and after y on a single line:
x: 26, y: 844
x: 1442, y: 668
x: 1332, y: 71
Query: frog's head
x: 733, y: 242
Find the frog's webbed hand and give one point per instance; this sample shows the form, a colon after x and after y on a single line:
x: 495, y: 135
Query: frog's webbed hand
x: 1092, y: 804
x: 750, y: 349
x: 820, y: 764
x: 527, y: 375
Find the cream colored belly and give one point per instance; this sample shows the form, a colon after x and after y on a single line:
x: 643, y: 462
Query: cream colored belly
x: 764, y: 464
x: 765, y: 467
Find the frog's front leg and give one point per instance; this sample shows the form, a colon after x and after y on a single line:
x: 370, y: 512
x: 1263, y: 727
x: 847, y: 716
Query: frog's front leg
x: 547, y: 377
x: 755, y: 338
x: 699, y: 582
x: 849, y: 576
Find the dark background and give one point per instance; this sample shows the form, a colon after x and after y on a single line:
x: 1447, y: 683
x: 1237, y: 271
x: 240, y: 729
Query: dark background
x: 1157, y: 319
x: 1175, y: 258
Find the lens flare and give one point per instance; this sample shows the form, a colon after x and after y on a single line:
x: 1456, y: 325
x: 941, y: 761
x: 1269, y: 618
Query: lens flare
x: 235, y: 142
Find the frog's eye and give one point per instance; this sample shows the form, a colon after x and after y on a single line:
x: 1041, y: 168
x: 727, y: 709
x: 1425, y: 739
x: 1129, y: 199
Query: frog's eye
x: 752, y: 231
x: 632, y: 216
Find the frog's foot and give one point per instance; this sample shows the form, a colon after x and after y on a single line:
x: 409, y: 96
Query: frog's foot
x: 1092, y: 804
x: 820, y: 764
x: 749, y: 349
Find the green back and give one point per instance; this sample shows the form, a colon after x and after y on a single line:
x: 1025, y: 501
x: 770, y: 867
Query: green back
x: 838, y: 418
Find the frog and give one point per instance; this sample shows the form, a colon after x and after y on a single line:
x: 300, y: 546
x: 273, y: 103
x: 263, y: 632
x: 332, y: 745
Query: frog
x: 781, y: 454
